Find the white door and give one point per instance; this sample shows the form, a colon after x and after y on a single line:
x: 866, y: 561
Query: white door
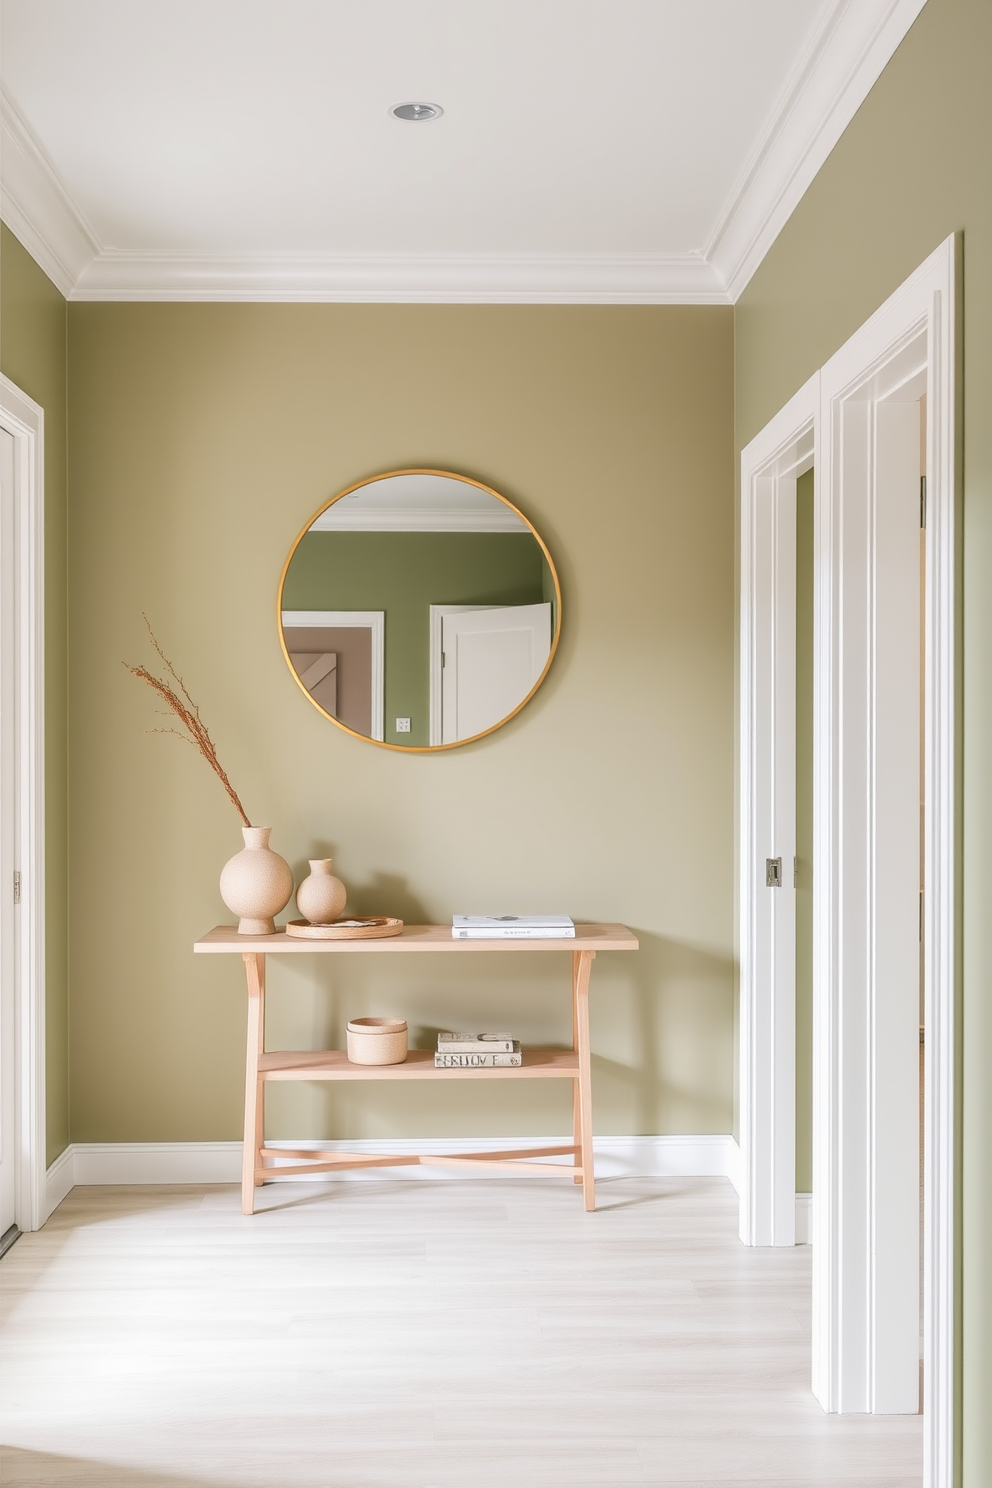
x: 491, y: 660
x: 7, y: 1102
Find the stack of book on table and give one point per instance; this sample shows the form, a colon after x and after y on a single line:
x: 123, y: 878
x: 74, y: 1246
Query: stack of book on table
x: 512, y: 927
x: 477, y: 1051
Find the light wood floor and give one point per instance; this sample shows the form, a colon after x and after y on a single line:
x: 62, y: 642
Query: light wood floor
x: 422, y: 1334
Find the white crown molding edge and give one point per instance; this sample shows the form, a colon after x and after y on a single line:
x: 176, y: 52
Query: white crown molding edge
x: 854, y: 43
x: 36, y: 206
x: 640, y: 278
x: 397, y: 519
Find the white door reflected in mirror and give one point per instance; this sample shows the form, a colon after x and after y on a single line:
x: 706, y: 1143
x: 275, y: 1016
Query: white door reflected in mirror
x: 489, y: 660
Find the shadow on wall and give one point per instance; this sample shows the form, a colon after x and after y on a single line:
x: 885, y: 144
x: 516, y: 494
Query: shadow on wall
x: 383, y: 894
x: 671, y: 983
x: 23, y: 1469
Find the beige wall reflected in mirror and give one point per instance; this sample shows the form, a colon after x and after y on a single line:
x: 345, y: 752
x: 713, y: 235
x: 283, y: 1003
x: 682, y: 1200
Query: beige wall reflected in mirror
x: 419, y: 609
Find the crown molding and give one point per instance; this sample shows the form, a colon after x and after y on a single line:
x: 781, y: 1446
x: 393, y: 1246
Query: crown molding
x: 853, y: 44
x: 36, y: 206
x: 401, y: 519
x: 847, y: 55
x: 453, y: 278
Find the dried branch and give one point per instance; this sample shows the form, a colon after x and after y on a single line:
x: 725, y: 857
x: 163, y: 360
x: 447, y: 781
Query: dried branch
x: 182, y: 705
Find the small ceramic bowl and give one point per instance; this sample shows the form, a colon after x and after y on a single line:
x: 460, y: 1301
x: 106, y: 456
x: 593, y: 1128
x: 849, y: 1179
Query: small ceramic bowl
x: 377, y: 1041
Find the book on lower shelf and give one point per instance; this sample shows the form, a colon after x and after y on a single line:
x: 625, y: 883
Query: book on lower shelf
x: 512, y: 927
x: 479, y: 1058
x: 475, y: 1043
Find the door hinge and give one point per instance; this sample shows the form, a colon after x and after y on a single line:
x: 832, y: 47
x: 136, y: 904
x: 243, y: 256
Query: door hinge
x: 795, y: 873
x: 17, y: 885
x: 444, y: 659
x: 773, y: 873
x: 923, y: 501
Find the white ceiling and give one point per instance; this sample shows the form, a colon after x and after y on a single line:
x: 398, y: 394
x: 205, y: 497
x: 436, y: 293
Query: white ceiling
x: 639, y: 150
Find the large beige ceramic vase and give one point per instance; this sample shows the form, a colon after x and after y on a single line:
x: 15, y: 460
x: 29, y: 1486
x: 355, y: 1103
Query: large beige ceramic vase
x: 321, y: 897
x: 256, y: 884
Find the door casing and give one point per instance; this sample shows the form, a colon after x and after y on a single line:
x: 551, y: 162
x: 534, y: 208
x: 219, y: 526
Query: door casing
x: 914, y: 335
x: 23, y: 923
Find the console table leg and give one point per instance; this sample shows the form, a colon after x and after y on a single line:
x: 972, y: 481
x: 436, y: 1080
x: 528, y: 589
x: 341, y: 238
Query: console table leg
x: 576, y: 1102
x: 254, y: 1086
x: 581, y: 968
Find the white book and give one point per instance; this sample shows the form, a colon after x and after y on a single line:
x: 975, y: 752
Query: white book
x: 475, y: 1043
x: 497, y: 1060
x: 512, y: 927
x: 488, y: 922
x: 536, y: 932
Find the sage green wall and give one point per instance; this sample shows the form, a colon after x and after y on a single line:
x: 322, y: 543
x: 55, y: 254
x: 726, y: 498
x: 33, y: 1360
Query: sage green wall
x: 404, y: 573
x: 203, y: 438
x: 914, y: 166
x: 804, y: 833
x: 33, y: 355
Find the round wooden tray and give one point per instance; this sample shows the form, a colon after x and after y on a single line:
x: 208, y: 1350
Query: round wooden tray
x: 381, y: 926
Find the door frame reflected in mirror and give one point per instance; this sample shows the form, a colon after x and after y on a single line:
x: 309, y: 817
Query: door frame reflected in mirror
x: 381, y: 741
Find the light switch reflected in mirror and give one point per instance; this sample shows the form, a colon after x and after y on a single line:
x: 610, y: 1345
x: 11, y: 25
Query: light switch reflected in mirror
x: 419, y: 609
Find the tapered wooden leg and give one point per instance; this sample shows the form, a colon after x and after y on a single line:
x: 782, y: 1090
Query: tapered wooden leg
x: 581, y: 968
x: 576, y: 1104
x: 254, y: 1086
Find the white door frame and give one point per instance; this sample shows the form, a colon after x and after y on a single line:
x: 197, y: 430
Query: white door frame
x: 24, y: 420
x: 373, y: 620
x: 771, y: 464
x: 924, y: 310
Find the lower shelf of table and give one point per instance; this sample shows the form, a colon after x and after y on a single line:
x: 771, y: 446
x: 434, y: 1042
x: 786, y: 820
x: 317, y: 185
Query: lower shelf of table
x: 333, y: 1064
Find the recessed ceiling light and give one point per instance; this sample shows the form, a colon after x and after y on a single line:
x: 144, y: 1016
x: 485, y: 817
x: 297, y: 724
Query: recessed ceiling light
x: 416, y: 113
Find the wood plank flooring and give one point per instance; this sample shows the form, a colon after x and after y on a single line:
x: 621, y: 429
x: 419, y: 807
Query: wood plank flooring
x: 390, y: 1334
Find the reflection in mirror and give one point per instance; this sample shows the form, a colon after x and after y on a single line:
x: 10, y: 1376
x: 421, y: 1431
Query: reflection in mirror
x: 419, y: 609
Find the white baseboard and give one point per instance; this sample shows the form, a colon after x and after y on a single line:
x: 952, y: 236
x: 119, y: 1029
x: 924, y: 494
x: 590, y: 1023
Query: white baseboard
x: 735, y: 1164
x: 220, y: 1162
x: 156, y: 1162
x: 804, y: 1219
x: 59, y: 1180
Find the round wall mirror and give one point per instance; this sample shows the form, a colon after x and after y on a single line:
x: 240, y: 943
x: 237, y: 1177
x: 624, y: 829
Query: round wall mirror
x: 419, y: 609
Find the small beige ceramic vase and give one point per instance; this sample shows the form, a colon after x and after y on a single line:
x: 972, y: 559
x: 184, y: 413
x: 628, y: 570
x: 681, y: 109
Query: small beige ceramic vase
x: 321, y: 897
x: 256, y: 883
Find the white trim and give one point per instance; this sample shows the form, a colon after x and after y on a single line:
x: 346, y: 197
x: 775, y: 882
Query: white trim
x: 341, y: 518
x: 36, y: 206
x: 887, y: 350
x: 59, y: 1181
x: 373, y: 620
x: 435, y: 701
x: 853, y: 44
x: 913, y: 330
x: 804, y: 1219
x: 511, y: 278
x: 769, y: 467
x: 220, y: 1162
x: 23, y: 419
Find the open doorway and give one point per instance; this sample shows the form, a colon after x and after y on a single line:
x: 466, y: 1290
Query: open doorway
x: 861, y: 413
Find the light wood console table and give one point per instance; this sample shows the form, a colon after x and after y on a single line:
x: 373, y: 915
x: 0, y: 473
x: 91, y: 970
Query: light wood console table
x: 332, y: 1064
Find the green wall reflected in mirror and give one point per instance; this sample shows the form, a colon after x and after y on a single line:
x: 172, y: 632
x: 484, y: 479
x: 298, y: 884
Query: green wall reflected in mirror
x: 419, y: 609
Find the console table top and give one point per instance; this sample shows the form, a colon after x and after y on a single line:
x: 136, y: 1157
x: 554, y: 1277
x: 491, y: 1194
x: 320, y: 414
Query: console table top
x: 225, y: 940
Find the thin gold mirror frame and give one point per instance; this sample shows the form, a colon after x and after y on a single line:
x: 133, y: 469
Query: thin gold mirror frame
x: 369, y: 480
